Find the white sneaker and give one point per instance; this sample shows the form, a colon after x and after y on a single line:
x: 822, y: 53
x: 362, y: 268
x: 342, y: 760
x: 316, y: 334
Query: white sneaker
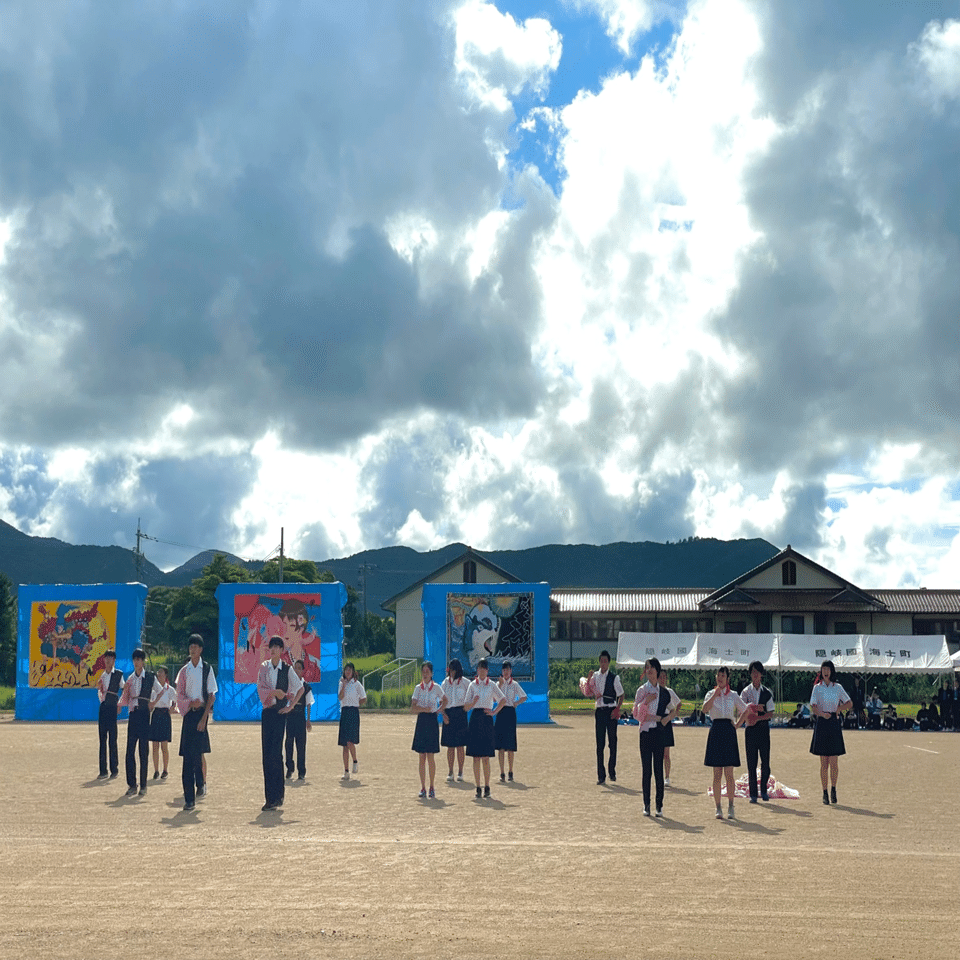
x: 346, y: 775
x: 719, y: 814
x: 459, y: 778
x: 666, y: 782
x: 355, y: 766
x: 730, y: 815
x: 449, y: 778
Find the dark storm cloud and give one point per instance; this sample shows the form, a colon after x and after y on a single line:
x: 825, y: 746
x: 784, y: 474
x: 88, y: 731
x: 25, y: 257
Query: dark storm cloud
x: 198, y: 201
x: 846, y: 310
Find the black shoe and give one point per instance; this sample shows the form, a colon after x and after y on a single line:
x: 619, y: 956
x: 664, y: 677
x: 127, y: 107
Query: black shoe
x: 486, y: 791
x: 289, y: 774
x: 753, y: 799
x: 833, y: 794
x: 102, y: 776
x: 479, y: 793
x: 278, y: 803
x: 131, y: 792
x: 156, y: 774
x: 510, y: 776
x: 142, y: 792
x: 503, y: 778
x: 601, y: 781
x: 163, y: 776
x: 613, y: 778
x: 268, y: 806
x: 302, y: 776
x: 764, y: 797
x: 188, y: 806
x: 826, y: 799
x: 114, y: 775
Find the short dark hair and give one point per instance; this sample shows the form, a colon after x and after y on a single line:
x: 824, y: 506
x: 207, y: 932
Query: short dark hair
x: 299, y: 663
x: 655, y: 663
x: 429, y: 665
x: 195, y: 640
x: 138, y: 654
x: 483, y: 663
x: 110, y: 653
x: 604, y: 653
x: 507, y: 664
x: 275, y: 642
x: 833, y: 670
x: 758, y: 666
x: 724, y: 670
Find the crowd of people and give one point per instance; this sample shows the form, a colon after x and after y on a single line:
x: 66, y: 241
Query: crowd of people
x: 478, y: 719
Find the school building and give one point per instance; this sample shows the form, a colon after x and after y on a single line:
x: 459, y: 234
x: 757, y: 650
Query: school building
x: 789, y: 593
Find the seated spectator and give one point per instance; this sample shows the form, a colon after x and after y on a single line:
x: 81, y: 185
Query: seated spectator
x: 934, y: 716
x: 801, y: 717
x: 890, y: 717
x: 874, y: 710
x: 923, y: 717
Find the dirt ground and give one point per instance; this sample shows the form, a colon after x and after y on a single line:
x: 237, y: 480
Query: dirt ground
x: 552, y: 866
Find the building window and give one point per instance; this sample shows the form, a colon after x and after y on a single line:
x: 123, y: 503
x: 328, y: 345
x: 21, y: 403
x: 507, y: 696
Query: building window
x: 791, y: 624
x: 469, y: 571
x: 734, y: 626
x: 845, y: 626
x: 764, y: 623
x: 789, y: 569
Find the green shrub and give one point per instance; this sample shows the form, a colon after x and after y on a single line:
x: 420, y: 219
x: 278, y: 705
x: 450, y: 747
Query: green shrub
x: 8, y: 696
x: 373, y: 700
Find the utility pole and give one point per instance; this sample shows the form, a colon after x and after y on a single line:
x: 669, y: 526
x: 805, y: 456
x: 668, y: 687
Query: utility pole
x: 280, y: 577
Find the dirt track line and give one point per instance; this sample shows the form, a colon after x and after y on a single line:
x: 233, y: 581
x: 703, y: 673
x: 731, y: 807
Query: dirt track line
x: 907, y: 745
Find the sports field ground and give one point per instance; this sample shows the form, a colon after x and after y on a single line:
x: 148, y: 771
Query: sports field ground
x: 552, y: 866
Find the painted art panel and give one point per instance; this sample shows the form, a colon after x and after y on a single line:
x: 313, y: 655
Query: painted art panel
x: 307, y: 617
x: 68, y: 639
x: 63, y: 630
x: 501, y: 621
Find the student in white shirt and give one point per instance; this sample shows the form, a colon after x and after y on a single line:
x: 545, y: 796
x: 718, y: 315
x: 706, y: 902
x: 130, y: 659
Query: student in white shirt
x: 427, y: 700
x: 727, y: 712
x: 454, y: 733
x: 484, y: 699
x: 647, y: 711
x: 161, y: 729
x: 827, y: 701
x: 757, y: 730
x: 352, y: 697
x: 505, y: 729
x: 666, y: 730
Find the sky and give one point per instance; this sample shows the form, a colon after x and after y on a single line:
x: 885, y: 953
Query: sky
x: 515, y: 273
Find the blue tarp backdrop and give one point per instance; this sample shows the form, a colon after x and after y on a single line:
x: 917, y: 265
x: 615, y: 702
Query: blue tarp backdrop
x: 306, y: 616
x: 62, y: 633
x: 499, y: 621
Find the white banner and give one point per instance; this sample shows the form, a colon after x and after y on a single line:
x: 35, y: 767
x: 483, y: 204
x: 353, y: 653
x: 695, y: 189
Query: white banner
x: 806, y: 651
x: 676, y: 651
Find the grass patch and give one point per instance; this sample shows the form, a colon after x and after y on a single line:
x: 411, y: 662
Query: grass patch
x: 8, y: 697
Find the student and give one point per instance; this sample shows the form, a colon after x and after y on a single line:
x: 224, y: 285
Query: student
x: 484, y: 699
x: 607, y: 690
x: 727, y: 712
x: 279, y: 688
x: 108, y: 691
x: 651, y: 703
x: 666, y: 725
x: 428, y: 698
x: 757, y: 731
x: 161, y: 730
x: 505, y: 729
x: 196, y: 693
x: 298, y: 726
x: 826, y: 701
x: 454, y: 733
x: 140, y: 689
x: 352, y: 697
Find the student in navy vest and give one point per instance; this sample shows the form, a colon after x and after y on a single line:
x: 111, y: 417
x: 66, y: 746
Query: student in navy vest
x: 141, y: 687
x: 196, y: 693
x: 651, y: 704
x: 278, y: 688
x: 298, y: 725
x: 605, y: 687
x: 108, y: 690
x: 757, y: 730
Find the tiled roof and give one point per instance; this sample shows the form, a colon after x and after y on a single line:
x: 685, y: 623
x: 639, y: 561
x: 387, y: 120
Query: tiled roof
x: 663, y: 600
x: 920, y: 601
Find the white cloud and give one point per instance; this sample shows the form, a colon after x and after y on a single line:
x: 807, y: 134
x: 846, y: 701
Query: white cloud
x: 627, y: 20
x: 938, y: 52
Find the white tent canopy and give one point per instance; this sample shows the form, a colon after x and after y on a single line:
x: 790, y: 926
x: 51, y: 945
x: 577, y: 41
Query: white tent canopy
x: 863, y: 653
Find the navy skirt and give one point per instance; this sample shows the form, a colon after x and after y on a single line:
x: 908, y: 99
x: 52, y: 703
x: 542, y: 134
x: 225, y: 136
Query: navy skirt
x: 480, y: 741
x: 723, y: 748
x: 426, y: 737
x: 454, y: 731
x: 160, y: 726
x: 349, y: 726
x: 505, y: 729
x: 827, y: 738
x: 666, y: 735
